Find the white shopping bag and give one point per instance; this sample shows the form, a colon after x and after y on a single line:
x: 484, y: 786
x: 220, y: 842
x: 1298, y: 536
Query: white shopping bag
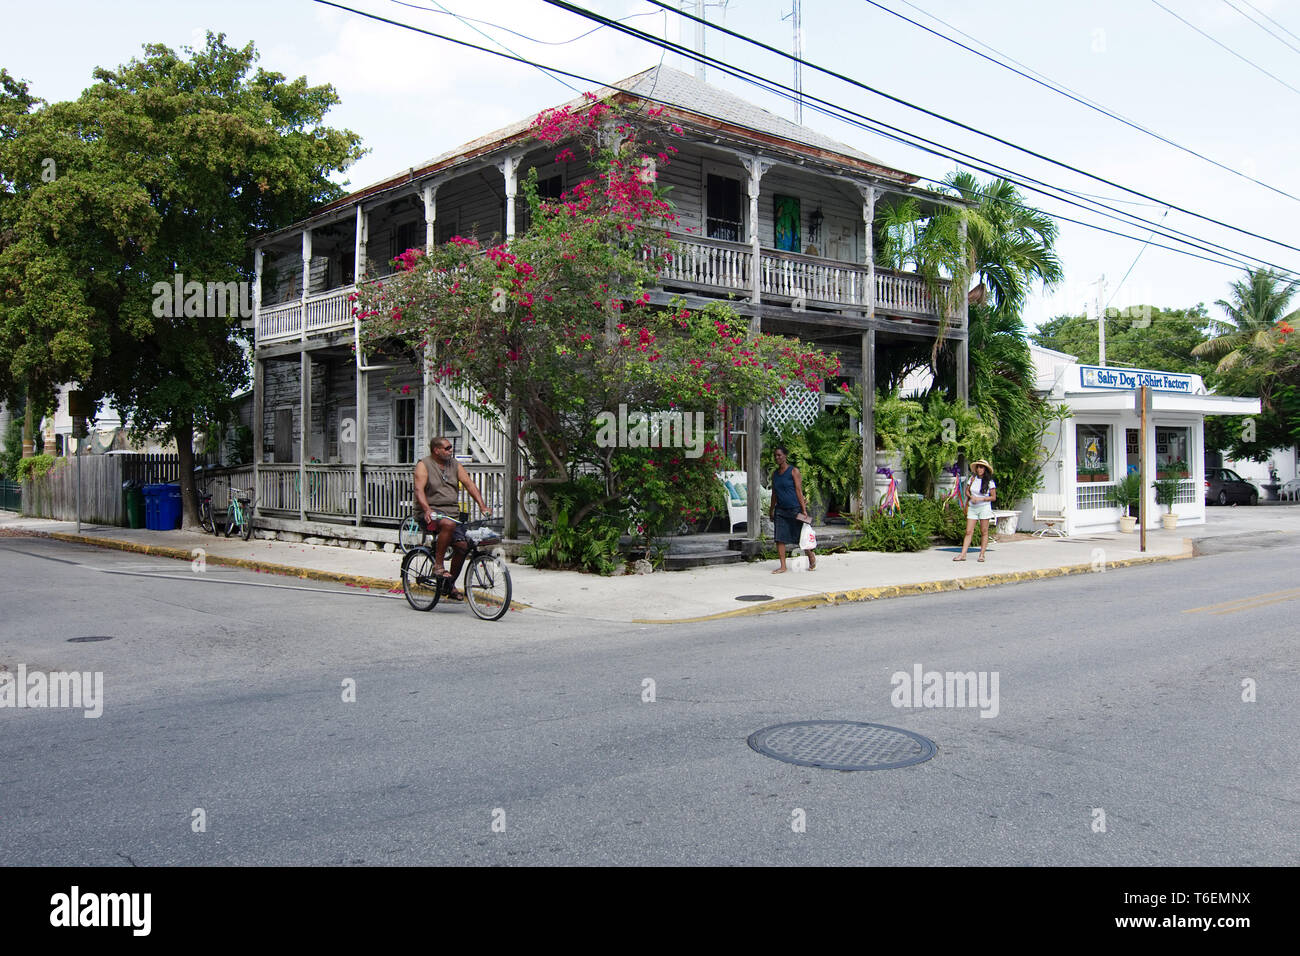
x: 807, y: 538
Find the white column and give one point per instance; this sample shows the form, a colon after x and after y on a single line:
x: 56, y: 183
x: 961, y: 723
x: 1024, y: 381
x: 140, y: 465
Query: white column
x: 509, y: 167
x: 359, y: 265
x: 258, y: 257
x: 869, y: 246
x: 306, y: 281
x: 431, y: 410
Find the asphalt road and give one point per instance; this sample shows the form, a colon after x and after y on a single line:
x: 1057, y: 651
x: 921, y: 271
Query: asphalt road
x: 1120, y: 700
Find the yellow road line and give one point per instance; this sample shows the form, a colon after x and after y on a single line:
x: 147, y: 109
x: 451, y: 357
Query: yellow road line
x: 1246, y: 603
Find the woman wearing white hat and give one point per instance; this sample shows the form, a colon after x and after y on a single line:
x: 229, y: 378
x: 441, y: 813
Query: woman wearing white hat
x: 980, y: 495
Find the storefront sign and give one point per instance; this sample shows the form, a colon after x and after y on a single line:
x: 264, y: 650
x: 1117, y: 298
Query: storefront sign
x: 1127, y: 378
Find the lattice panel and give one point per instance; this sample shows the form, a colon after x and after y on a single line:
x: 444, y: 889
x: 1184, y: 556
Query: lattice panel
x: 800, y: 404
x: 1092, y: 495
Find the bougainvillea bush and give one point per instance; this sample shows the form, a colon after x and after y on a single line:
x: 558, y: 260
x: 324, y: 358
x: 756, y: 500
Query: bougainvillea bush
x: 562, y: 322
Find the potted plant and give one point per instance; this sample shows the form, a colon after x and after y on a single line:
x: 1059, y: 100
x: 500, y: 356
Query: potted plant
x: 1166, y: 494
x: 1127, y: 494
x: 1172, y: 469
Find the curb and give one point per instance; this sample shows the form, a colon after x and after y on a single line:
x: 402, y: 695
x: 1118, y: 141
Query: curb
x: 248, y: 564
x: 858, y: 595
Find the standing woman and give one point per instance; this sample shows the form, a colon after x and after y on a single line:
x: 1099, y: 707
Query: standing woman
x: 982, y: 493
x: 787, y: 502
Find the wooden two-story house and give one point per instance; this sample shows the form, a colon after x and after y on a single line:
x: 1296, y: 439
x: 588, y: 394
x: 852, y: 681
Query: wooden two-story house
x: 776, y: 217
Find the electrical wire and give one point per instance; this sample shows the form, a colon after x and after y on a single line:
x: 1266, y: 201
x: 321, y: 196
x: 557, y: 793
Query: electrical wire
x: 1262, y: 27
x: 1270, y: 19
x: 492, y: 39
x: 1224, y: 46
x: 522, y: 36
x: 589, y: 79
x: 563, y: 4
x: 1048, y: 83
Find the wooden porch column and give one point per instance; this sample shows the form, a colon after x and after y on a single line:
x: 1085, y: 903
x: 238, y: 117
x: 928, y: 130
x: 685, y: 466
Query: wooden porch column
x: 753, y: 474
x: 304, y: 429
x: 306, y: 281
x: 432, y: 412
x: 361, y: 266
x: 868, y: 420
x: 259, y: 382
x: 509, y: 167
x: 756, y: 168
x: 869, y: 246
x: 753, y: 413
x: 362, y: 414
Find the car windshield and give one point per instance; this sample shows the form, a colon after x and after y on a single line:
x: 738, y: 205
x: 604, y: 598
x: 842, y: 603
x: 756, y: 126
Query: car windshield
x: 1230, y: 475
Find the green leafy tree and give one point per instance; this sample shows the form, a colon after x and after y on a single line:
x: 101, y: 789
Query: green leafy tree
x: 1259, y: 304
x: 1140, y: 336
x: 166, y: 166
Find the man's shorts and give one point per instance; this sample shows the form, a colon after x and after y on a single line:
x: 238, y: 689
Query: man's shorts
x: 456, y: 536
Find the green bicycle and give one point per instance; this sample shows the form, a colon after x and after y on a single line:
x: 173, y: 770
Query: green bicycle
x: 239, y: 514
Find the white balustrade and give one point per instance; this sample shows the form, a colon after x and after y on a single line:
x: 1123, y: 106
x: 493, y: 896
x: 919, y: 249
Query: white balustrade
x: 330, y: 310
x: 279, y: 321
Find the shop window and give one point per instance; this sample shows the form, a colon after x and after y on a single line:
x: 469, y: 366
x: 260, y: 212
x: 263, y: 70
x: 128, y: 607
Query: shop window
x: 404, y: 431
x: 1173, y: 453
x: 1092, y: 452
x: 724, y: 219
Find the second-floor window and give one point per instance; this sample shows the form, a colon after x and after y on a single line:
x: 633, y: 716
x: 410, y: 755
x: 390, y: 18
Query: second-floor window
x: 724, y: 219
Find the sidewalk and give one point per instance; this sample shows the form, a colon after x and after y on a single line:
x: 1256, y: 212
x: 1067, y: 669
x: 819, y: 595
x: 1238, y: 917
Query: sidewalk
x: 682, y: 596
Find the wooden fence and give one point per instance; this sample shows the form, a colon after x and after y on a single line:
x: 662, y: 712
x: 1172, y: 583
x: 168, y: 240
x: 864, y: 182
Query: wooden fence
x: 151, y: 469
x: 55, y: 494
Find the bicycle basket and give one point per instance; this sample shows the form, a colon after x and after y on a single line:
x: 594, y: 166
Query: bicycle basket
x: 483, y: 537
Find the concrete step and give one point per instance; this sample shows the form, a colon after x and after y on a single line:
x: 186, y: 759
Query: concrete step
x: 700, y: 559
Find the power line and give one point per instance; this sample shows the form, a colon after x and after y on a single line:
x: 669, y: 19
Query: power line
x: 1132, y: 266
x: 742, y: 74
x: 522, y: 36
x: 1224, y: 46
x: 1270, y: 19
x: 779, y: 91
x: 931, y: 113
x: 1061, y: 90
x: 1262, y: 27
x: 502, y: 45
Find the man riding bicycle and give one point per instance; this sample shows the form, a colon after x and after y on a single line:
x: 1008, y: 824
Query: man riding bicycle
x: 437, y: 495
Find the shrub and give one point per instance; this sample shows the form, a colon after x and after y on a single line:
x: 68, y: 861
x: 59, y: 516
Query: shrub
x: 35, y: 467
x: 900, y: 531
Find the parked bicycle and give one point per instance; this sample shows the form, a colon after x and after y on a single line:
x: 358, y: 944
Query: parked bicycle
x: 486, y: 575
x: 239, y: 514
x: 206, y: 518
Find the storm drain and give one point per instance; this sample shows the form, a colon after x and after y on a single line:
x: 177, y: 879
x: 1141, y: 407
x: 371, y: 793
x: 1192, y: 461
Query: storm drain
x: 87, y: 640
x: 753, y: 597
x: 842, y: 745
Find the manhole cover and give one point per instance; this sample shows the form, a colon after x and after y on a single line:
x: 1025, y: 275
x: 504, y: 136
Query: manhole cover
x: 87, y: 640
x: 754, y: 597
x: 842, y: 745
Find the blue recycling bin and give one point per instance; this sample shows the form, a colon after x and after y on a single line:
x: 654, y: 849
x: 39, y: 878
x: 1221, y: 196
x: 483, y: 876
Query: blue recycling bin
x: 153, y: 495
x: 169, y: 508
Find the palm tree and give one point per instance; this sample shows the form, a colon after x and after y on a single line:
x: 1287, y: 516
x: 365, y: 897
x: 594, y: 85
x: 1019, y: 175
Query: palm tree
x: 1258, y: 305
x: 1009, y: 245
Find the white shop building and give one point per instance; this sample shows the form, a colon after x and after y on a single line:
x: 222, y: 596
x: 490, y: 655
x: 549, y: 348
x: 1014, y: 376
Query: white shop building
x: 1100, y: 442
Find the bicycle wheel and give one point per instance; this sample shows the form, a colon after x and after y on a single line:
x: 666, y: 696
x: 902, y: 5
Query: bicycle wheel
x: 232, y: 512
x: 487, y: 586
x: 205, y: 517
x: 411, y: 534
x: 419, y: 583
x: 246, y: 528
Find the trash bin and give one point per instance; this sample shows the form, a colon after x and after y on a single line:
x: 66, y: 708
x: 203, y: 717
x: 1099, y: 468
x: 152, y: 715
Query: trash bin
x: 153, y: 496
x: 133, y: 501
x: 169, y: 508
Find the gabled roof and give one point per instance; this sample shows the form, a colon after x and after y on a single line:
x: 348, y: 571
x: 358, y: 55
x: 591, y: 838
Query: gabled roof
x: 696, y: 106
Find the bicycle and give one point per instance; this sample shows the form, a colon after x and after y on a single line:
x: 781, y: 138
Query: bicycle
x: 239, y: 515
x: 206, y: 518
x: 487, y: 577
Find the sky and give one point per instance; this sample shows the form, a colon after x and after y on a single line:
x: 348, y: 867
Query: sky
x: 412, y: 97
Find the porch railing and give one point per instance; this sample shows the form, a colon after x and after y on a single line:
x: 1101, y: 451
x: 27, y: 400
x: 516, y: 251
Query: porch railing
x: 331, y: 491
x: 713, y: 265
x: 484, y: 427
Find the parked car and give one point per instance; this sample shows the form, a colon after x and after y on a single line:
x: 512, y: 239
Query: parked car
x: 1290, y: 491
x: 1224, y: 486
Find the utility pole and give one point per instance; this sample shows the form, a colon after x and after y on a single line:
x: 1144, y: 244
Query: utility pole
x: 1101, y: 321
x: 699, y: 40
x: 797, y: 16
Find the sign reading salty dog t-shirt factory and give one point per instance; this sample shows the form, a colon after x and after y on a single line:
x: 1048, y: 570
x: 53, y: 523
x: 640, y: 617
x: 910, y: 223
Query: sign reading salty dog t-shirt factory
x: 1091, y: 376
